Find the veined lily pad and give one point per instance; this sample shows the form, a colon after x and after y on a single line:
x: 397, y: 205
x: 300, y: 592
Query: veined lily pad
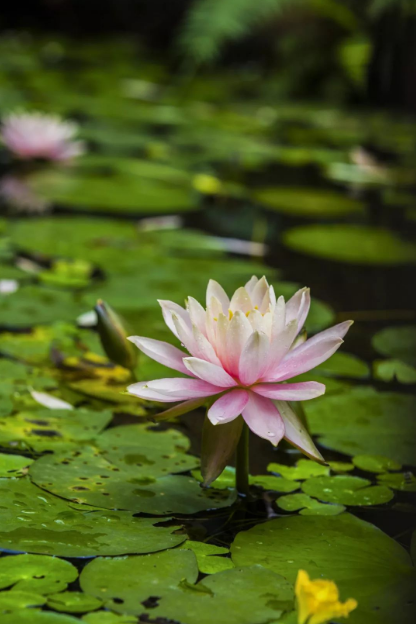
x: 355, y: 244
x: 347, y: 490
x: 34, y: 521
x: 163, y: 585
x: 73, y: 602
x: 304, y: 469
x: 308, y: 506
x: 36, y: 573
x: 365, y: 421
x: 13, y: 465
x: 365, y: 563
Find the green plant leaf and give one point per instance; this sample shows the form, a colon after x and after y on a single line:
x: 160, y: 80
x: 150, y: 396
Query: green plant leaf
x: 375, y: 463
x: 347, y: 490
x: 37, y: 574
x: 404, y: 482
x: 15, y: 600
x: 207, y: 556
x: 304, y: 469
x: 397, y: 342
x: 389, y: 370
x: 73, y: 602
x: 308, y: 506
x: 307, y: 202
x: 13, y: 465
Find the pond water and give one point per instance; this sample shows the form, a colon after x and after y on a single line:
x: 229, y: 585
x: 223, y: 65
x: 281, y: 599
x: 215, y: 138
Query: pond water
x: 182, y: 182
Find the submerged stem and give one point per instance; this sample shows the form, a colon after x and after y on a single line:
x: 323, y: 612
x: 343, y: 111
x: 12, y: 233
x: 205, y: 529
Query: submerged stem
x: 242, y: 462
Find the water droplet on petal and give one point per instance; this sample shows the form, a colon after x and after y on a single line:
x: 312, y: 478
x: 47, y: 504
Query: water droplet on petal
x: 271, y: 434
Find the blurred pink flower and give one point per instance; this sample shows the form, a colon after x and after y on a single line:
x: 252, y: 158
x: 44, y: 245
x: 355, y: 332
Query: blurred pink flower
x: 36, y: 135
x: 242, y: 351
x: 17, y: 194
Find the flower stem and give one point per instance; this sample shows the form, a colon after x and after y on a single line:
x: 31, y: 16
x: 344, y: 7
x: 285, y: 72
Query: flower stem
x: 242, y: 462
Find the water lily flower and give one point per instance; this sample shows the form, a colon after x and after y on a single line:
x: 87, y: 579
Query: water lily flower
x: 242, y: 352
x: 318, y: 601
x: 36, y: 135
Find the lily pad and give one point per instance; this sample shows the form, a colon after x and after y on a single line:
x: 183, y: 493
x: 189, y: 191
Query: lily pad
x: 11, y: 601
x: 343, y: 364
x: 337, y: 466
x: 397, y: 342
x: 365, y: 563
x: 34, y: 521
x: 355, y: 244
x: 73, y: 602
x: 33, y: 305
x: 131, y: 482
x: 308, y: 506
x: 365, y: 421
x: 404, y: 482
x: 48, y: 430
x: 375, y: 463
x: 13, y: 465
x: 35, y: 347
x: 347, y: 490
x: 163, y: 586
x: 209, y: 556
x: 267, y: 482
x: 307, y: 202
x: 37, y: 574
x: 389, y: 370
x: 108, y: 617
x: 33, y: 616
x: 304, y: 469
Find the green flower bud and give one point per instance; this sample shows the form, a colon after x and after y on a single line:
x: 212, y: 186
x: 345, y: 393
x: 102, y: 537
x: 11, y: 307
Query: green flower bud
x: 113, y: 335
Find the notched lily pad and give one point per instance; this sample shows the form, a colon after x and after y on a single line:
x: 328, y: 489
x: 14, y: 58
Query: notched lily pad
x: 11, y: 601
x: 308, y: 506
x: 36, y: 573
x: 304, y: 469
x: 389, y: 370
x: 73, y: 602
x: 209, y: 556
x: 397, y: 342
x: 34, y: 521
x: 347, y: 490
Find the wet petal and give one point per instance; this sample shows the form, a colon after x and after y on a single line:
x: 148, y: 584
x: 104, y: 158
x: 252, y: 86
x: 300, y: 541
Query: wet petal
x: 197, y: 314
x: 228, y: 407
x: 241, y: 301
x: 239, y: 331
x: 279, y: 347
x: 168, y: 309
x: 263, y: 419
x: 216, y: 290
x: 173, y: 389
x: 253, y: 358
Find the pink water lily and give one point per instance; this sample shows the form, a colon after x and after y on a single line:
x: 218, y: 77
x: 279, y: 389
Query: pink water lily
x: 242, y: 352
x: 36, y: 135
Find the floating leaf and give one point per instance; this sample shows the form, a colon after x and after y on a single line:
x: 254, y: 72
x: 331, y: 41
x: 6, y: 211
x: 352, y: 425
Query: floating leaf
x: 163, y: 586
x: 405, y: 482
x: 33, y: 520
x: 13, y: 465
x: 389, y: 370
x: 209, y: 556
x: 365, y: 563
x: 307, y: 202
x: 32, y: 616
x: 73, y: 602
x: 347, y: 490
x: 337, y: 466
x: 343, y: 364
x: 108, y: 617
x: 375, y: 463
x: 36, y: 573
x: 304, y: 469
x: 267, y: 482
x: 397, y: 342
x: 308, y: 506
x: 356, y: 244
x: 15, y: 600
x: 365, y: 421
x: 46, y: 429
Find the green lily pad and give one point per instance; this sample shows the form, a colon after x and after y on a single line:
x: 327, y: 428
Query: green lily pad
x: 48, y: 430
x: 129, y: 481
x: 343, y: 364
x: 355, y: 244
x: 166, y: 441
x: 365, y: 421
x: 307, y: 202
x: 341, y: 467
x: 389, y: 370
x: 33, y: 305
x: 209, y: 556
x: 15, y: 600
x: 267, y: 482
x: 73, y: 602
x: 397, y: 342
x: 308, y: 506
x: 33, y: 616
x: 365, y: 563
x: 304, y: 469
x: 163, y: 586
x: 13, y: 465
x: 347, y: 490
x: 108, y: 617
x: 34, y: 521
x: 36, y: 573
x: 375, y: 463
x: 35, y: 347
x: 405, y: 482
